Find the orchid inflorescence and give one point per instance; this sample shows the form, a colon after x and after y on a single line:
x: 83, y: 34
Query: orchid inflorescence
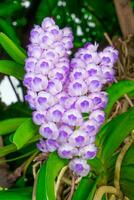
x: 66, y: 96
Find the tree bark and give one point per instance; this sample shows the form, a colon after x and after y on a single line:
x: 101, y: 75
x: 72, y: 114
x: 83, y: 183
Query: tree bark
x: 125, y: 16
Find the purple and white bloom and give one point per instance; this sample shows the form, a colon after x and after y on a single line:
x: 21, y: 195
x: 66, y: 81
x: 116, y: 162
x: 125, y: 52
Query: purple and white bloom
x: 67, y: 32
x: 108, y: 56
x: 41, y: 145
x: 93, y: 70
x: 79, y: 138
x: 97, y: 115
x: 62, y: 98
x: 49, y: 130
x: 30, y: 98
x: 59, y: 49
x: 94, y: 84
x: 39, y: 117
x: 107, y: 59
x: 50, y: 55
x: 72, y: 117
x: 99, y: 100
x: 108, y: 74
x: 77, y: 88
x: 51, y: 145
x: 45, y: 100
x: 34, y: 51
x: 88, y: 57
x: 79, y: 166
x: 70, y: 102
x: 91, y: 47
x: 88, y: 152
x: 58, y: 73
x: 46, y: 40
x: 64, y: 132
x: 39, y: 83
x: 114, y: 52
x: 91, y: 127
x: 54, y: 86
x: 77, y: 62
x: 47, y: 22
x: 30, y: 64
x: 28, y: 78
x: 67, y: 43
x: 78, y: 73
x: 55, y: 113
x: 67, y: 151
x: 35, y: 33
x: 43, y: 66
x: 84, y: 104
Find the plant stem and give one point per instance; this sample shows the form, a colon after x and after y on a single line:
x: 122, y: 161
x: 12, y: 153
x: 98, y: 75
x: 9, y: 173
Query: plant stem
x: 28, y: 162
x: 72, y: 188
x: 59, y: 179
x: 106, y: 189
x: 119, y: 162
x: 112, y: 197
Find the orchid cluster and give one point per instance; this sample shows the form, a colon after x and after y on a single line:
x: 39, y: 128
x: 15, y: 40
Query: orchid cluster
x: 66, y: 96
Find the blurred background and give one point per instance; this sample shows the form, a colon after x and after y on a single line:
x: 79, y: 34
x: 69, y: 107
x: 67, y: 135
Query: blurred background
x: 105, y: 21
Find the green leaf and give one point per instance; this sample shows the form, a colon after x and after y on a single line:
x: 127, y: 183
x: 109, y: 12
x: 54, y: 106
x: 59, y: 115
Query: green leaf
x: 8, y: 29
x: 129, y: 157
x: 24, y: 133
x: 16, y: 194
x: 10, y: 125
x: 45, y: 188
x: 7, y: 149
x: 116, y: 131
x: 116, y: 91
x: 93, y: 190
x: 11, y: 68
x: 127, y: 173
x: 83, y: 189
x: 9, y: 8
x: 45, y: 9
x: 127, y: 187
x: 15, y: 52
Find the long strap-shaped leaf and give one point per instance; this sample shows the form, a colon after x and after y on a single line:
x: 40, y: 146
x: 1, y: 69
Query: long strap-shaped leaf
x: 46, y: 177
x: 93, y: 190
x: 7, y: 149
x: 10, y: 125
x: 11, y: 68
x: 8, y: 29
x: 16, y: 194
x: 84, y: 188
x: 116, y: 131
x: 24, y: 133
x: 127, y: 173
x: 15, y: 52
x: 116, y: 91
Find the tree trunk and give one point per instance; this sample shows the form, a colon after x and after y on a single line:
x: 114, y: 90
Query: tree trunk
x: 125, y: 16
